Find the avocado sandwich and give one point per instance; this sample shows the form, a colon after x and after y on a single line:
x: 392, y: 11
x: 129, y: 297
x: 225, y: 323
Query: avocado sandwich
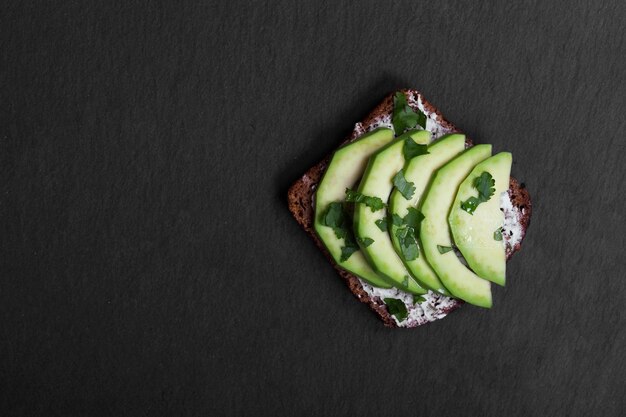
x: 413, y: 216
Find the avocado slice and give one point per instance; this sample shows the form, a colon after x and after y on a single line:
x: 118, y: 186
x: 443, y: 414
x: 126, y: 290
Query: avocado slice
x: 435, y: 231
x: 378, y: 182
x: 420, y: 171
x: 344, y: 171
x: 476, y: 234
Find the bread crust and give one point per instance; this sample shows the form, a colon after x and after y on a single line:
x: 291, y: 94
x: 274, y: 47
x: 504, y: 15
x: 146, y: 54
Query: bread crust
x: 300, y: 201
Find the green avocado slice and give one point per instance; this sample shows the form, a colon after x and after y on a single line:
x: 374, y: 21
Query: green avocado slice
x: 344, y: 170
x: 420, y: 171
x: 378, y: 182
x: 475, y: 234
x: 435, y: 230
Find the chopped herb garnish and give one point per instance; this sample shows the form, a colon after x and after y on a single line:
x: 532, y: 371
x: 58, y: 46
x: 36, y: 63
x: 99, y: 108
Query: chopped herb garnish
x: 348, y: 250
x: 396, y: 220
x: 470, y: 205
x: 408, y: 243
x: 412, y: 149
x: 405, y: 281
x: 405, y: 187
x: 374, y: 203
x: 382, y: 224
x: 485, y: 184
x: 407, y: 234
x: 410, y: 250
x: 396, y: 308
x: 366, y: 241
x: 418, y: 299
x: 404, y: 117
x: 413, y: 218
x: 497, y: 235
x: 401, y: 232
x: 335, y: 218
x: 444, y: 249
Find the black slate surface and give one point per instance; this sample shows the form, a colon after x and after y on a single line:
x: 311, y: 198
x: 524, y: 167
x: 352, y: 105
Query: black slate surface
x: 149, y: 265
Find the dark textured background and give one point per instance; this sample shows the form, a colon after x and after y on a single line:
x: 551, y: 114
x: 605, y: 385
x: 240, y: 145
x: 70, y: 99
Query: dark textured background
x: 149, y: 265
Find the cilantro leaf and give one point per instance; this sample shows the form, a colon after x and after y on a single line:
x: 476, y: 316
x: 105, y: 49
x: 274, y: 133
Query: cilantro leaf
x: 404, y: 117
x: 348, y: 250
x: 485, y: 184
x: 382, y: 224
x: 405, y: 281
x: 396, y: 308
x: 374, y: 203
x: 366, y: 241
x: 470, y: 204
x: 408, y: 229
x: 408, y: 243
x: 396, y: 220
x: 406, y: 188
x: 402, y: 232
x: 444, y: 249
x: 410, y: 250
x: 413, y: 218
x: 497, y: 235
x: 335, y: 218
x: 412, y: 149
x: 418, y: 299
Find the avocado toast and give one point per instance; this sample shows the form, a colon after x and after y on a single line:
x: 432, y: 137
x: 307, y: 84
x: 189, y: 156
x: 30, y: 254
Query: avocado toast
x: 366, y: 213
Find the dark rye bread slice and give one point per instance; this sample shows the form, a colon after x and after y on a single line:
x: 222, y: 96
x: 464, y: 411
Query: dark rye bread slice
x: 301, y: 194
